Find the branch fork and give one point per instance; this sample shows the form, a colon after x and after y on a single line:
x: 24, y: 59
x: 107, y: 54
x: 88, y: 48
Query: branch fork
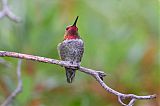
x: 6, y: 11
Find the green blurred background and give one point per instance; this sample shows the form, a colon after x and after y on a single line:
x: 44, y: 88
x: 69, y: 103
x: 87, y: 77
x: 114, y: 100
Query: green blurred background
x: 121, y: 38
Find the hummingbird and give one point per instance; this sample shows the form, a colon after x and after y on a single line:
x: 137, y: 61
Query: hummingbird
x: 71, y: 49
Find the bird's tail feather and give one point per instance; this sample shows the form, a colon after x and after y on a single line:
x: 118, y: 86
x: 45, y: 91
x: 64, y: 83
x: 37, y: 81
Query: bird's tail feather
x: 70, y: 74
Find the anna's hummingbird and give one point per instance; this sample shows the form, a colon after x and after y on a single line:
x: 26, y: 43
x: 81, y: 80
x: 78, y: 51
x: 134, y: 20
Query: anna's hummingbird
x: 71, y: 49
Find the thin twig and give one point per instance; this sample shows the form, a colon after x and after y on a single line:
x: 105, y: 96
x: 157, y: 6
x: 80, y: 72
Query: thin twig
x: 19, y: 86
x: 98, y: 75
x: 7, y: 12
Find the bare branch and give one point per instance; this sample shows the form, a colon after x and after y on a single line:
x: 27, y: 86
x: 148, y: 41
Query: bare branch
x: 19, y: 86
x: 7, y: 12
x: 98, y: 75
x: 120, y: 96
x: 38, y: 58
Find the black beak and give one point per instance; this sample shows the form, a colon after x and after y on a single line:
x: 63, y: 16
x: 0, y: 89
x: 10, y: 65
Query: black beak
x: 75, y: 21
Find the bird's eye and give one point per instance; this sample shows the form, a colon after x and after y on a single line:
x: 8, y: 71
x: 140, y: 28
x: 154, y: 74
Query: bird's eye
x: 67, y: 28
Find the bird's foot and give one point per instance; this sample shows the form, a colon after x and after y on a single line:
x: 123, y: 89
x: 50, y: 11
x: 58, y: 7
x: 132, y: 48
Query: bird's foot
x: 76, y: 64
x: 73, y: 65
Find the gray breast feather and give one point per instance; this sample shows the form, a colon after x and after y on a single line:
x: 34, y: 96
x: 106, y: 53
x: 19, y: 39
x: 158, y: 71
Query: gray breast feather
x: 71, y: 50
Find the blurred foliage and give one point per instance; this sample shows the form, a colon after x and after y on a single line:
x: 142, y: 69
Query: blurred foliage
x: 121, y: 38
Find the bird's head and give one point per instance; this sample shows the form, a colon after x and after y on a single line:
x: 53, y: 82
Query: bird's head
x: 71, y: 31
